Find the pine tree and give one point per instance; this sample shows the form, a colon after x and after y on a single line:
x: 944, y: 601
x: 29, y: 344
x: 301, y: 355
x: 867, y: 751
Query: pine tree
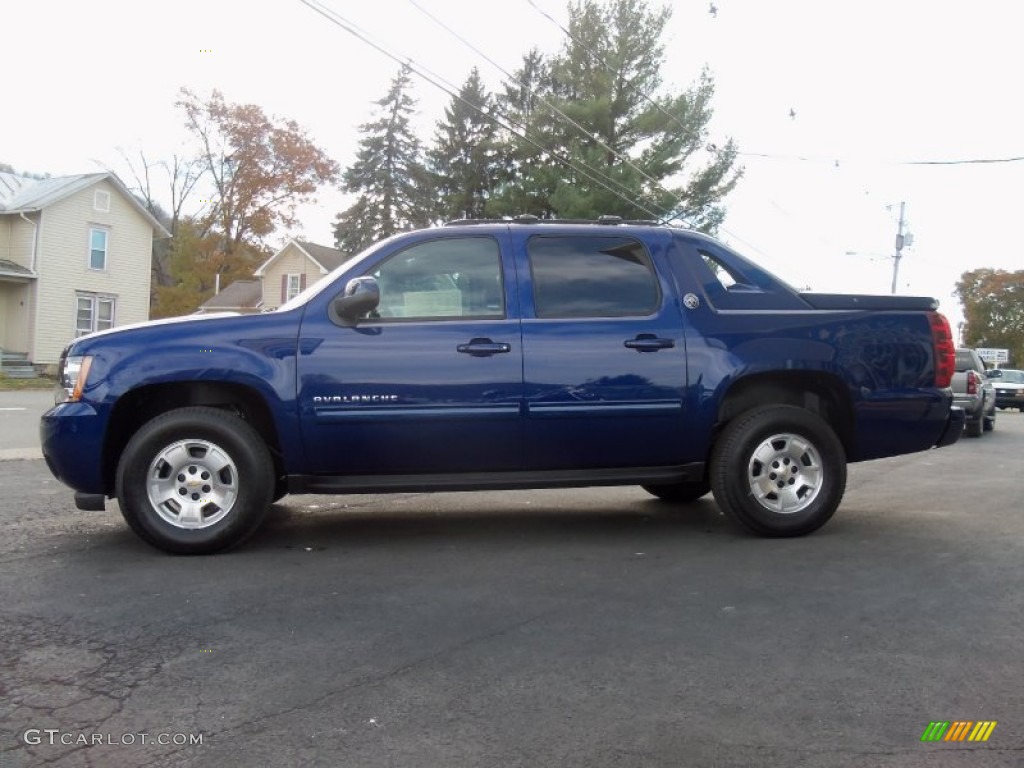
x: 389, y: 175
x: 633, y: 148
x: 463, y: 160
x: 528, y: 175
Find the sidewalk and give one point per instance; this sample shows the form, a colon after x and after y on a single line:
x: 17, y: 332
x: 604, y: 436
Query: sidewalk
x: 19, y: 422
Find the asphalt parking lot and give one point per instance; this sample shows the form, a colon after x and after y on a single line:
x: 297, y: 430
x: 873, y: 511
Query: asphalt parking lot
x: 572, y: 628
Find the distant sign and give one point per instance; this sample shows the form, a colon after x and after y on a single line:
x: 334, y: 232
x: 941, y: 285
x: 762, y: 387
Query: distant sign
x: 993, y: 356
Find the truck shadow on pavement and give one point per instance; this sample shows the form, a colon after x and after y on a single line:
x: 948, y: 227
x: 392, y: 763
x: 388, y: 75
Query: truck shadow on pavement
x: 331, y: 524
x: 341, y: 525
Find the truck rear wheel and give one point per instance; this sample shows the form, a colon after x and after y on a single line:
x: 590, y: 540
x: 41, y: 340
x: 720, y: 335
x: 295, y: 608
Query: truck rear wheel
x: 195, y: 481
x: 778, y: 471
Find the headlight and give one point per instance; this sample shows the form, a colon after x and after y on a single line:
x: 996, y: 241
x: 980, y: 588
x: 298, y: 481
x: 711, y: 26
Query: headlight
x: 72, y: 376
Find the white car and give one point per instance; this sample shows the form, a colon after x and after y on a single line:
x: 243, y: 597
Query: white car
x: 1009, y: 386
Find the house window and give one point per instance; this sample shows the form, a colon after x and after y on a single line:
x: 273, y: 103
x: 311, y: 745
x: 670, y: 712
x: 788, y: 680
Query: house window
x: 293, y: 287
x: 93, y: 313
x: 101, y: 201
x: 98, y: 248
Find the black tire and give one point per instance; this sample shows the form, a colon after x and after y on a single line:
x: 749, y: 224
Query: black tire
x: 799, y: 451
x: 974, y: 428
x: 280, y: 490
x: 680, y: 493
x: 190, y: 457
x: 990, y: 421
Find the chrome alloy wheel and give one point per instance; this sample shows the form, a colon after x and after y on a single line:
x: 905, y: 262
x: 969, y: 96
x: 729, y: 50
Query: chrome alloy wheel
x: 785, y: 473
x: 192, y: 484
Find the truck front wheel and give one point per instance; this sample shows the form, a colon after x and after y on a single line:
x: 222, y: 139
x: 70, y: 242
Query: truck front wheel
x: 778, y: 471
x: 195, y: 481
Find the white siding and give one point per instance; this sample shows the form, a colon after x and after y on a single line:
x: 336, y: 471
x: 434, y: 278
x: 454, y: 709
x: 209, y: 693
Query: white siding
x: 16, y: 238
x: 292, y: 261
x: 63, y: 261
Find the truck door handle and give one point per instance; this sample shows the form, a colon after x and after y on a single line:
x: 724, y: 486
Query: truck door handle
x: 648, y: 342
x: 483, y: 348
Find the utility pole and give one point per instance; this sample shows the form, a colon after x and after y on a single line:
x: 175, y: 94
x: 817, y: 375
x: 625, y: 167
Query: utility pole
x: 901, y: 240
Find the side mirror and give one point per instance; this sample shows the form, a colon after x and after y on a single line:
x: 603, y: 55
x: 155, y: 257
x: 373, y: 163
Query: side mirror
x: 360, y: 297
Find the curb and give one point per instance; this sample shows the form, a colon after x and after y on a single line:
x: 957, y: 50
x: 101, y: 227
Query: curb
x: 14, y: 454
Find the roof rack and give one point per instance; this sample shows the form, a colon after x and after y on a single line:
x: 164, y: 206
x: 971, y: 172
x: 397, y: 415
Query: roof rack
x: 529, y: 218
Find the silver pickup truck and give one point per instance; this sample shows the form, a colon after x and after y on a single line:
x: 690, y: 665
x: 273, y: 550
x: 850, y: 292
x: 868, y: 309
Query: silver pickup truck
x: 973, y: 391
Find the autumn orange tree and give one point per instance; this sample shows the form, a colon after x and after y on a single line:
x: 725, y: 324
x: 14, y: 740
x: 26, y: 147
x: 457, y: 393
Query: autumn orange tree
x: 993, y: 302
x: 194, y: 263
x: 254, y: 171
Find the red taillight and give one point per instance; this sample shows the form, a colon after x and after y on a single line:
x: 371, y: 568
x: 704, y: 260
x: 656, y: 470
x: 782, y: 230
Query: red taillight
x: 945, y: 352
x: 972, y: 383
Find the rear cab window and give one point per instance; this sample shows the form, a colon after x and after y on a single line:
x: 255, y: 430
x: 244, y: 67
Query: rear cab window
x: 726, y: 280
x: 967, y: 361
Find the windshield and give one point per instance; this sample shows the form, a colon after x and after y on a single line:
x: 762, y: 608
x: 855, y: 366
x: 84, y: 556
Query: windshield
x: 1010, y: 377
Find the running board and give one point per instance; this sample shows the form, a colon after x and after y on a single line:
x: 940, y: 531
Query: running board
x: 495, y: 481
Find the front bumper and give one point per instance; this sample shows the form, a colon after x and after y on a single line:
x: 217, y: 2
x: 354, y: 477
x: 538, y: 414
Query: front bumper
x: 71, y: 437
x: 954, y: 427
x: 1013, y: 398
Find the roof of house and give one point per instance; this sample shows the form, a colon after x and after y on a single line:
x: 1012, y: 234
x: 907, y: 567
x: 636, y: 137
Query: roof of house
x: 20, y: 194
x: 241, y: 294
x: 327, y: 259
x: 10, y: 269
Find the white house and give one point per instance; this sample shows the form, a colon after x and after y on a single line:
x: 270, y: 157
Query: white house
x: 75, y: 257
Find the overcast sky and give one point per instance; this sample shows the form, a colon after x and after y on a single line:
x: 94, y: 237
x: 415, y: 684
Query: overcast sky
x: 875, y: 85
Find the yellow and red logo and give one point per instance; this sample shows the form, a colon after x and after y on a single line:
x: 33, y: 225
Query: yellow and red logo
x: 958, y: 730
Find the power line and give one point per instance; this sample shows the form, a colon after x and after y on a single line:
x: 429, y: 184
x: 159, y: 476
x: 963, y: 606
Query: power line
x: 450, y: 89
x: 750, y: 245
x: 596, y: 57
x: 823, y: 159
x: 964, y: 162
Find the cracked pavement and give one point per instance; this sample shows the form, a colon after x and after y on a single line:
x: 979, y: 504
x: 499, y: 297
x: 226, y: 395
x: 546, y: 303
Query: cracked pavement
x: 561, y: 628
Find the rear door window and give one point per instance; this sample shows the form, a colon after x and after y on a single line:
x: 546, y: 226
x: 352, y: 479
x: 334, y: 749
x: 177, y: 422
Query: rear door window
x: 592, y: 277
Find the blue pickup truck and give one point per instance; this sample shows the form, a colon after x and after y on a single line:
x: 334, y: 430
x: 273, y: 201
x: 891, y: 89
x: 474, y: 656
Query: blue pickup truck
x: 506, y: 354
